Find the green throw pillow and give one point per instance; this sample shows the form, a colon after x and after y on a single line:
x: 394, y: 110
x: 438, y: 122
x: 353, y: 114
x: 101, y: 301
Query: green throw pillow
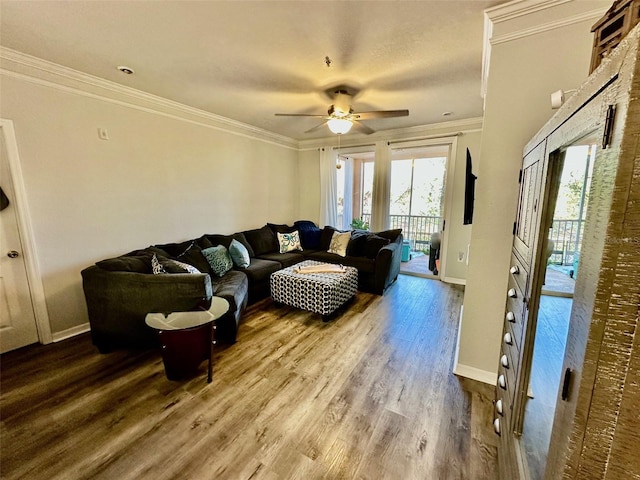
x: 239, y: 254
x: 219, y: 259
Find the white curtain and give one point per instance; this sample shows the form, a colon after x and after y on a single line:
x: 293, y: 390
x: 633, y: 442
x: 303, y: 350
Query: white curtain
x: 328, y: 187
x: 381, y: 188
x: 347, y: 211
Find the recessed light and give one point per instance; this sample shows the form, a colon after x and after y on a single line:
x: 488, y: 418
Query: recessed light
x: 446, y: 114
x: 126, y: 70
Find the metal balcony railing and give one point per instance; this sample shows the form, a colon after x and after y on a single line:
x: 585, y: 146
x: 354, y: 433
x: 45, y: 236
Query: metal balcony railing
x: 567, y: 239
x: 417, y: 229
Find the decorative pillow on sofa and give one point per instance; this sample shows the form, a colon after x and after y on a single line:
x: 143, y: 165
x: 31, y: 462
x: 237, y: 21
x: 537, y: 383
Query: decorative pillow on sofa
x: 175, y: 266
x: 239, y: 254
x: 309, y: 234
x: 339, y: 243
x: 219, y: 259
x: 373, y: 245
x: 326, y: 234
x: 156, y: 266
x: 289, y: 241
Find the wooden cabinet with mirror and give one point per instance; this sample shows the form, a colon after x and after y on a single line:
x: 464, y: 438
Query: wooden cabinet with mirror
x: 567, y: 397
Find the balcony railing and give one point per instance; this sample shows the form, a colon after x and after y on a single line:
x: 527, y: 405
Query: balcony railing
x: 417, y: 229
x: 567, y: 238
x: 566, y: 234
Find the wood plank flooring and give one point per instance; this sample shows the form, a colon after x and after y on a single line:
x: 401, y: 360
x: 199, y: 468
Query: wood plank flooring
x: 369, y: 395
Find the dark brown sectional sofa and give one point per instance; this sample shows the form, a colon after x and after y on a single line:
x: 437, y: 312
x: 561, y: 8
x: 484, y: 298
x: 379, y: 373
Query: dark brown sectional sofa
x: 120, y: 291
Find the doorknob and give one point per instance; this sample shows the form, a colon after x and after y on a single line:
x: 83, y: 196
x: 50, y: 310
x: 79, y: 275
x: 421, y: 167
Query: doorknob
x: 13, y: 254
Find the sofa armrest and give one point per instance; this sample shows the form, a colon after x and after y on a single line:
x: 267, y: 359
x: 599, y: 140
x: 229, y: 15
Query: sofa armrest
x: 117, y: 302
x: 388, y: 265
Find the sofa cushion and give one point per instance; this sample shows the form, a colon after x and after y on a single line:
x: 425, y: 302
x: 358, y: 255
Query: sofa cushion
x: 193, y: 256
x: 339, y: 243
x: 261, y: 269
x: 285, y: 259
x: 390, y: 234
x: 373, y: 245
x: 289, y: 242
x: 127, y: 263
x: 262, y: 240
x: 219, y: 259
x: 280, y: 228
x: 363, y: 264
x: 175, y: 249
x: 239, y: 254
x: 357, y: 243
x: 217, y: 239
x: 325, y: 237
x: 233, y: 287
x: 309, y: 234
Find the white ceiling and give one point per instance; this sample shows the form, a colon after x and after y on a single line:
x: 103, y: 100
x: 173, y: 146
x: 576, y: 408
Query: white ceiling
x: 247, y: 60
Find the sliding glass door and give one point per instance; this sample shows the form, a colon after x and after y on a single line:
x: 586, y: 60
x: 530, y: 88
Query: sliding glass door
x: 417, y: 201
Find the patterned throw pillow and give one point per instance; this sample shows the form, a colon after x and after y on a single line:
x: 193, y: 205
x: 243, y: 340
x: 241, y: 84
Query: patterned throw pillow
x: 185, y: 266
x: 289, y: 241
x: 239, y: 254
x: 219, y: 259
x: 339, y: 243
x: 156, y: 266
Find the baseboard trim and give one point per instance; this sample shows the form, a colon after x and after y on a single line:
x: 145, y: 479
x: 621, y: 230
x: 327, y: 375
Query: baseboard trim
x: 455, y: 281
x: 475, y: 374
x: 71, y: 332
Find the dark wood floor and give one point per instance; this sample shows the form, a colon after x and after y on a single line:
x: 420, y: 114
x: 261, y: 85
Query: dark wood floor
x: 369, y: 395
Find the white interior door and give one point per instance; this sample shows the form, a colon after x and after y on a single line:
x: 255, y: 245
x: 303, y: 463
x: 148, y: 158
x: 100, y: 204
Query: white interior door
x: 17, y: 318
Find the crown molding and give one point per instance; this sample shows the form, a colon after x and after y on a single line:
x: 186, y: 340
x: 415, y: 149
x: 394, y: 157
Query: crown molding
x: 517, y: 9
x: 545, y: 27
x: 422, y: 132
x: 43, y: 72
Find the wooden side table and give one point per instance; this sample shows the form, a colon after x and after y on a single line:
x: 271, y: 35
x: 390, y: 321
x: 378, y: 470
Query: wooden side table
x: 187, y: 338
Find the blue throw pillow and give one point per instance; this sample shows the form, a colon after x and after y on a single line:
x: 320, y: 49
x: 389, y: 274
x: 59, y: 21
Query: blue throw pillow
x: 219, y: 259
x: 239, y: 254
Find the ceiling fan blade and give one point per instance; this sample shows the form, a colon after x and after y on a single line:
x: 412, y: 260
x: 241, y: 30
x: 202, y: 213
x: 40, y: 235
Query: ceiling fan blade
x: 362, y: 128
x: 381, y: 114
x: 298, y: 115
x: 316, y: 127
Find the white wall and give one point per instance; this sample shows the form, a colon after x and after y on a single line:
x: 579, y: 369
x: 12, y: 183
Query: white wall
x: 309, y: 185
x: 532, y: 55
x: 160, y: 178
x: 459, y: 234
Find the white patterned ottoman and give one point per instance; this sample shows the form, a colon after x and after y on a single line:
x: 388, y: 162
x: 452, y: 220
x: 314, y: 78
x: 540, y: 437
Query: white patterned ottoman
x: 320, y: 293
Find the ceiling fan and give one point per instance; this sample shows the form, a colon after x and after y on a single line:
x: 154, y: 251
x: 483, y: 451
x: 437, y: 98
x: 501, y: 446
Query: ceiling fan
x: 341, y: 117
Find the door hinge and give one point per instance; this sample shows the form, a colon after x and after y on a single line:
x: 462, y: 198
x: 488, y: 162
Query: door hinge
x: 520, y: 176
x: 608, y: 126
x: 444, y: 222
x: 514, y: 228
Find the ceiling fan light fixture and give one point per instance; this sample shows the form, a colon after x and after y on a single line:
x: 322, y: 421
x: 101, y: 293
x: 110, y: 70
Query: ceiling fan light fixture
x: 339, y: 126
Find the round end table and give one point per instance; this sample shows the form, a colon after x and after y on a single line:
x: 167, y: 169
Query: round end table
x: 187, y: 338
